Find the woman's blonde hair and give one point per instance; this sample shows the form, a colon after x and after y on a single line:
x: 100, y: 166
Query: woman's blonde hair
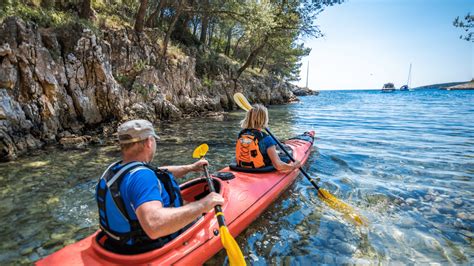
x: 257, y: 117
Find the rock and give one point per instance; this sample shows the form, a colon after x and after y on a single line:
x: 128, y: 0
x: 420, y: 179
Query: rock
x: 464, y: 86
x: 465, y: 216
x: 410, y: 201
x: 74, y: 142
x: 303, y: 91
x: 253, y: 257
x: 457, y: 201
x: 346, y: 248
x: 55, y: 83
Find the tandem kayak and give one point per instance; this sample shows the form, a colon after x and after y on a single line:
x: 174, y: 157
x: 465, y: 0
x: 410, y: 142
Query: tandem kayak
x: 247, y: 194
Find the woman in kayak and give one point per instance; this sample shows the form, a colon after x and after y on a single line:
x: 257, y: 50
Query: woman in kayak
x: 255, y: 148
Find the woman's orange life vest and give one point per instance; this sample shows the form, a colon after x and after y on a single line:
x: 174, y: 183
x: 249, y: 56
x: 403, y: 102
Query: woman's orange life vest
x: 247, y: 150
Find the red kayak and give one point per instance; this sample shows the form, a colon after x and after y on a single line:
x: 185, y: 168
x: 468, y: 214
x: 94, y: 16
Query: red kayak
x: 247, y: 195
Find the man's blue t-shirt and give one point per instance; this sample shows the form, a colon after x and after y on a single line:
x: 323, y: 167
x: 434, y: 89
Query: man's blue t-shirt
x: 140, y: 186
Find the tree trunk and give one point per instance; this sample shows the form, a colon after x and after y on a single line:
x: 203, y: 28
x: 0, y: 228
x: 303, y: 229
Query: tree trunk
x: 140, y: 19
x: 204, y: 23
x: 171, y: 27
x: 263, y: 66
x: 237, y: 45
x: 151, y: 21
x: 229, y: 39
x: 211, y: 33
x: 86, y: 11
x: 195, y: 24
x: 252, y: 57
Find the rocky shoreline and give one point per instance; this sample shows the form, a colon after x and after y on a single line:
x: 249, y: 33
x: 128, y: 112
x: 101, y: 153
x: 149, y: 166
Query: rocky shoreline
x: 465, y: 86
x: 71, y: 86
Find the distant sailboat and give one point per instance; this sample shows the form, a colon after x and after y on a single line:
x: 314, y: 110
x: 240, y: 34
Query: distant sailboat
x: 307, y: 88
x: 407, y: 86
x: 307, y: 75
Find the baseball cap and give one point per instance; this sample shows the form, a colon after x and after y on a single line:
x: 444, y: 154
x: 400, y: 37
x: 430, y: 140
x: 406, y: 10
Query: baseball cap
x: 135, y: 130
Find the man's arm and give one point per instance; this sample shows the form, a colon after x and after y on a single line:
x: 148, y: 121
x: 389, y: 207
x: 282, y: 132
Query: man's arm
x: 179, y: 171
x: 157, y: 221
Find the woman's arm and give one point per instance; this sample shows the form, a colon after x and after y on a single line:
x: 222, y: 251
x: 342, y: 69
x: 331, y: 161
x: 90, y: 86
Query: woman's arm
x: 279, y: 164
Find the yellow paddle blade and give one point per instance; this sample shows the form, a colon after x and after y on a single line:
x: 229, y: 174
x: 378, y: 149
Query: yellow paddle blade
x: 200, y: 151
x: 242, y: 102
x: 233, y: 250
x: 342, y: 207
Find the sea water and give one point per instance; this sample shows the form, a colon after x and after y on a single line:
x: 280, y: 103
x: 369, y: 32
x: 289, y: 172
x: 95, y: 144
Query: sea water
x: 403, y: 160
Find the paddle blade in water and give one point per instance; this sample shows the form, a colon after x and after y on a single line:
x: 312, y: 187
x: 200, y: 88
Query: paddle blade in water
x: 233, y: 250
x: 200, y: 151
x: 242, y: 102
x: 342, y: 207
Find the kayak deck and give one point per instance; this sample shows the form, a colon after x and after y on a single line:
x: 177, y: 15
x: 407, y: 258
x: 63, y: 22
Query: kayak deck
x: 246, y: 197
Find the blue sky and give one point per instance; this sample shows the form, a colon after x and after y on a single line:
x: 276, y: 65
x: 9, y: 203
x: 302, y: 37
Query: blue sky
x: 371, y: 42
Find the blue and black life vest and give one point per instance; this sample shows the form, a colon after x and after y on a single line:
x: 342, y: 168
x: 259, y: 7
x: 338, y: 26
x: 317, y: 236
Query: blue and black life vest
x: 118, y: 226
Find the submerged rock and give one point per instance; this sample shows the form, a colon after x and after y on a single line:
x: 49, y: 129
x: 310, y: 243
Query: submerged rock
x: 74, y: 142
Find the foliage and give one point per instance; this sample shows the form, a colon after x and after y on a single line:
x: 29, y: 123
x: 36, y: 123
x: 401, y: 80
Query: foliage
x: 139, y: 65
x: 467, y: 24
x: 206, y: 82
x: 226, y: 36
x: 124, y: 80
x: 42, y: 17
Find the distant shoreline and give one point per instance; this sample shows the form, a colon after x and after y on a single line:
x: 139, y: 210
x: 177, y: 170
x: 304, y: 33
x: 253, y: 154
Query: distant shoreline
x: 460, y: 85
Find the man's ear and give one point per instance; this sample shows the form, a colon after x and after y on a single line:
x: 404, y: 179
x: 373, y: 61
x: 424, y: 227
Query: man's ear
x: 149, y: 142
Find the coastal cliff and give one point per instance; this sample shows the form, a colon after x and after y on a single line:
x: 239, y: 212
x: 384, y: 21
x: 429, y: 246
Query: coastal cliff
x: 70, y: 82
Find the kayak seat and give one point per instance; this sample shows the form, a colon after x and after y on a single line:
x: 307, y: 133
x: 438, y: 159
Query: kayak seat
x: 198, y: 189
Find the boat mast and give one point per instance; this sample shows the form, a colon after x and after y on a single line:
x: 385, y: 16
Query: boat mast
x: 409, y: 77
x: 307, y: 75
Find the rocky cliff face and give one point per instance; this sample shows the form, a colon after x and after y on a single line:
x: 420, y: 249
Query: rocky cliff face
x: 70, y: 82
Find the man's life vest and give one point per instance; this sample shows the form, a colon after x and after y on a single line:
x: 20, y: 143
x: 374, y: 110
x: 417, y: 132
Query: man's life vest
x: 247, y: 150
x: 115, y: 221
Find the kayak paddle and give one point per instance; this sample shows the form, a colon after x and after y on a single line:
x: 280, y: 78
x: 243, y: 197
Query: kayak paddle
x: 323, y: 194
x: 233, y: 250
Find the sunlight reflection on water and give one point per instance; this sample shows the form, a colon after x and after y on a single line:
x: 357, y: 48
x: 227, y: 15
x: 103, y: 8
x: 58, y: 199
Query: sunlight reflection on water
x: 404, y: 160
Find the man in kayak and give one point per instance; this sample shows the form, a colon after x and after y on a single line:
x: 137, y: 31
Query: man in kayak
x: 255, y: 148
x: 140, y: 206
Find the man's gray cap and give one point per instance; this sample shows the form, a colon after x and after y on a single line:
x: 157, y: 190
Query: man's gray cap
x: 135, y: 130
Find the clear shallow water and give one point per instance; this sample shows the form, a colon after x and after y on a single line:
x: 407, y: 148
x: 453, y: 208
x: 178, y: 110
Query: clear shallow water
x: 404, y: 160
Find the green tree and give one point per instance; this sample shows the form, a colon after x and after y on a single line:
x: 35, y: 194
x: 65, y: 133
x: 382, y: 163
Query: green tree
x: 467, y: 24
x: 271, y: 21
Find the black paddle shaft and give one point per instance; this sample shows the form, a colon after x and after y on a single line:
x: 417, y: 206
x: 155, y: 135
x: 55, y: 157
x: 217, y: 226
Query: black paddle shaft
x: 217, y: 208
x: 291, y: 158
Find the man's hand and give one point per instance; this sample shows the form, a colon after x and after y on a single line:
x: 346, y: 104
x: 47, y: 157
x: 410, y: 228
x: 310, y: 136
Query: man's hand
x: 197, y: 166
x: 212, y: 200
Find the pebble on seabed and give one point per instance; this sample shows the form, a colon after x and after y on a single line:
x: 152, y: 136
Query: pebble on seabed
x: 457, y: 201
x: 410, y: 201
x: 253, y: 257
